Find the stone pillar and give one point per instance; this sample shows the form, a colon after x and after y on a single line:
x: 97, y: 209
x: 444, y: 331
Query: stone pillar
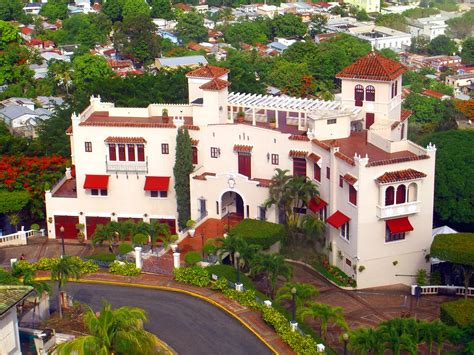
x: 294, y: 326
x: 276, y: 118
x: 254, y: 118
x: 176, y: 260
x: 267, y: 303
x: 320, y: 348
x: 138, y: 257
x: 239, y: 287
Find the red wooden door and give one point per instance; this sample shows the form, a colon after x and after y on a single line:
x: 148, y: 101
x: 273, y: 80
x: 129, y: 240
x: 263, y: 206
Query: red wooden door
x: 369, y: 120
x: 245, y: 165
x: 69, y: 224
x: 92, y: 222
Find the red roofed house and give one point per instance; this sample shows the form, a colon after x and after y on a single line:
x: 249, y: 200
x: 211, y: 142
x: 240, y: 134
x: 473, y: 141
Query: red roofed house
x: 435, y: 94
x: 375, y: 186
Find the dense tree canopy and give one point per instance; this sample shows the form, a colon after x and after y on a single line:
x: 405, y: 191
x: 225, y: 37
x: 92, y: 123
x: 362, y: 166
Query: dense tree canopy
x: 454, y: 191
x: 419, y: 12
x: 395, y: 21
x: 135, y: 38
x: 249, y: 32
x: 190, y: 27
x: 317, y: 23
x: 467, y: 53
x: 113, y: 9
x: 462, y: 26
x: 88, y: 68
x: 244, y: 67
x: 55, y: 9
x: 442, y: 45
x: 161, y: 9
x: 135, y: 7
x: 11, y: 10
x: 287, y: 25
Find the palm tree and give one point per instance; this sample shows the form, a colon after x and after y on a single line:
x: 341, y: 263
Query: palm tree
x: 325, y: 314
x: 439, y: 333
x: 396, y: 336
x: 230, y: 244
x: 313, y: 226
x: 113, y: 331
x: 158, y: 230
x: 278, y: 192
x: 304, y: 292
x: 365, y: 341
x: 301, y: 190
x: 272, y: 266
x: 61, y: 272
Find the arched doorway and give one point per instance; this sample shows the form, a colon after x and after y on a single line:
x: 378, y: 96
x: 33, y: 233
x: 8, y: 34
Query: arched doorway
x: 232, y: 205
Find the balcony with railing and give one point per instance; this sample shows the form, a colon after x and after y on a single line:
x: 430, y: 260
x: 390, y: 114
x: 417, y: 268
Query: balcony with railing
x: 396, y: 210
x: 125, y: 167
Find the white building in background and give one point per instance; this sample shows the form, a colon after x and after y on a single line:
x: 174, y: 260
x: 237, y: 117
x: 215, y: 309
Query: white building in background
x: 429, y: 27
x: 367, y: 5
x: 376, y: 187
x: 380, y: 37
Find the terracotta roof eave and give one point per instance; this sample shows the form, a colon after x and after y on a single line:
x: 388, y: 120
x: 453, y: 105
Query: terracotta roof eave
x: 127, y: 124
x: 397, y: 160
x: 400, y: 175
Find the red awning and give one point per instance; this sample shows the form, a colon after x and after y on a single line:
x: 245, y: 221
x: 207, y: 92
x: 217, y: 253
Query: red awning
x: 399, y: 225
x: 337, y: 219
x: 96, y: 181
x: 316, y: 204
x: 157, y: 183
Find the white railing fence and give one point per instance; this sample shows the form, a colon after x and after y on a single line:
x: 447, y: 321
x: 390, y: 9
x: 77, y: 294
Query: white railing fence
x: 20, y: 237
x: 443, y: 290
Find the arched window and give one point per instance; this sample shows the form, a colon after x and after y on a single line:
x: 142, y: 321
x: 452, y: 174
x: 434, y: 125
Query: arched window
x: 401, y: 194
x: 389, y: 196
x: 412, y: 192
x: 359, y: 95
x: 370, y: 93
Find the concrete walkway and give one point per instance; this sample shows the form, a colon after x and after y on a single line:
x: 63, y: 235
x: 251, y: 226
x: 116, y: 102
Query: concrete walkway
x: 249, y: 318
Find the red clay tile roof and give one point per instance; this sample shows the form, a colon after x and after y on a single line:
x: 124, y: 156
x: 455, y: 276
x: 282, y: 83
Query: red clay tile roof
x: 344, y: 157
x: 397, y: 160
x: 321, y: 144
x: 203, y: 176
x: 373, y: 66
x: 194, y: 141
x: 191, y: 127
x: 242, y: 148
x: 351, y: 180
x: 208, y: 71
x: 26, y: 30
x: 400, y: 175
x: 298, y: 137
x: 102, y: 119
x: 405, y: 114
x: 125, y: 140
x: 69, y: 130
x: 262, y: 182
x: 215, y: 84
x: 432, y: 93
x: 313, y: 157
x: 298, y: 154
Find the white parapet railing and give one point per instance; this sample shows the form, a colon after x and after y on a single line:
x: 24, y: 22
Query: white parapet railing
x: 443, y: 290
x: 19, y: 238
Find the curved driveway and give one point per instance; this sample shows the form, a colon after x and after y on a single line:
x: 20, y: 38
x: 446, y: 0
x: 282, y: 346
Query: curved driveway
x: 188, y: 324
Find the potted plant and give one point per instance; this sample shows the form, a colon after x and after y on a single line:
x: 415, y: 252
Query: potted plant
x: 240, y: 117
x: 272, y: 122
x: 80, y: 233
x: 190, y: 224
x: 173, y: 239
x: 164, y: 115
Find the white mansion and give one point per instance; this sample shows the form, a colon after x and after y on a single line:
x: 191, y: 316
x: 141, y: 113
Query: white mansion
x: 376, y: 187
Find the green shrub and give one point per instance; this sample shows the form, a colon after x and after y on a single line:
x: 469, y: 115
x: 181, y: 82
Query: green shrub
x: 107, y: 257
x: 35, y: 227
x: 230, y: 273
x: 125, y: 269
x: 139, y: 239
x: 258, y: 232
x: 335, y: 274
x: 192, y: 257
x: 459, y: 313
x: 193, y: 275
x: 456, y: 248
x: 124, y: 248
x: 89, y: 267
x: 421, y: 277
x: 46, y: 263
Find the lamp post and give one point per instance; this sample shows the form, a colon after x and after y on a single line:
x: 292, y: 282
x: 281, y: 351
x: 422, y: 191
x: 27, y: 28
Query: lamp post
x: 293, y: 301
x: 61, y: 232
x: 238, y: 284
x: 345, y: 337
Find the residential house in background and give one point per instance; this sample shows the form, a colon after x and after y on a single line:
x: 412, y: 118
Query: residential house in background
x: 175, y: 62
x: 462, y: 83
x: 367, y: 5
x: 375, y: 186
x: 429, y: 27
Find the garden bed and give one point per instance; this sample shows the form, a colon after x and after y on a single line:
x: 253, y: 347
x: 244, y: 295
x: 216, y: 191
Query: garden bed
x: 459, y: 313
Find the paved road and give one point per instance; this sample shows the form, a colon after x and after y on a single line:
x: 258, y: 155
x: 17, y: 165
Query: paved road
x: 189, y: 325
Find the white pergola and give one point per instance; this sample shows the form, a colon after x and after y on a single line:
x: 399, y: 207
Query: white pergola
x: 252, y: 102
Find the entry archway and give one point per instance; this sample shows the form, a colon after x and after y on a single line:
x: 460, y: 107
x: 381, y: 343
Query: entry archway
x: 232, y: 205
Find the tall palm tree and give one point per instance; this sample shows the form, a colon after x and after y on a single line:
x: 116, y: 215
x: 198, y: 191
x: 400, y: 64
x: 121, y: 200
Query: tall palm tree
x: 366, y: 341
x: 67, y: 268
x: 439, y: 333
x: 230, y: 244
x: 304, y: 292
x: 325, y: 314
x: 272, y: 266
x: 113, y: 331
x: 278, y: 191
x: 396, y: 338
x: 313, y: 226
x: 301, y: 190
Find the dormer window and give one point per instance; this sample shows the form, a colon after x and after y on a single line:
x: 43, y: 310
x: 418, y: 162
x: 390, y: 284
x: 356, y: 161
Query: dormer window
x: 359, y: 95
x: 370, y: 93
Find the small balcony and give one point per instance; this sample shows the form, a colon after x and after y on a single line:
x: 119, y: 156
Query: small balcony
x: 125, y: 167
x: 398, y: 210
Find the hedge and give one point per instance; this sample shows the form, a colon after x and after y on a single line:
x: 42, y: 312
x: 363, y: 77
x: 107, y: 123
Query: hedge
x: 124, y: 268
x: 258, y: 232
x: 459, y: 313
x: 456, y: 248
x: 107, y: 257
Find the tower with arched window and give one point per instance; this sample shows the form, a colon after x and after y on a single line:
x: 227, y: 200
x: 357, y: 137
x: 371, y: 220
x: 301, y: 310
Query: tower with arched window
x: 374, y: 83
